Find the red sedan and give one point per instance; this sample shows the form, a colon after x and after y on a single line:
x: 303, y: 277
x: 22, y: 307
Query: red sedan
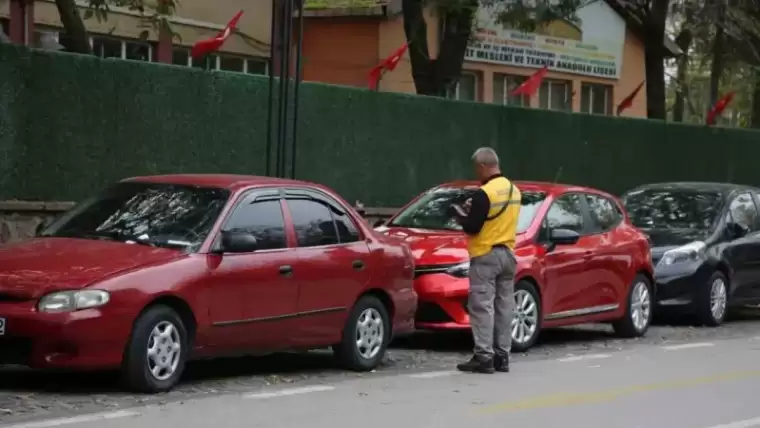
x: 158, y: 270
x: 579, y: 260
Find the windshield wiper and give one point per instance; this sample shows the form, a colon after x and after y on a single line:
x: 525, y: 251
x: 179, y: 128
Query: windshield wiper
x: 160, y: 241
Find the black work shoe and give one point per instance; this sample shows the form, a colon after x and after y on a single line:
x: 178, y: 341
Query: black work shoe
x: 477, y: 365
x: 501, y: 363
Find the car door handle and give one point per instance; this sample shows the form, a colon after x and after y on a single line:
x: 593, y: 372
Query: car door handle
x: 286, y: 270
x: 358, y: 264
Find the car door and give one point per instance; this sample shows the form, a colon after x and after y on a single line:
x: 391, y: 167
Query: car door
x: 611, y: 262
x: 332, y: 266
x: 743, y: 253
x: 252, y: 295
x: 566, y: 272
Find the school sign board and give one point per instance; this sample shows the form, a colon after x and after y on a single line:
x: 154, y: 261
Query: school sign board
x: 591, y: 45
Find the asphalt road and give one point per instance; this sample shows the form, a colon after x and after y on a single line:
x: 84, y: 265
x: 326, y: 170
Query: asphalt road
x: 689, y: 385
x: 416, y: 382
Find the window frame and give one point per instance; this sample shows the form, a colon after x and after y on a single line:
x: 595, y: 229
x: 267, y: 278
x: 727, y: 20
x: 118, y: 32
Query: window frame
x: 453, y: 93
x: 249, y: 197
x: 586, y: 230
x: 736, y: 195
x: 550, y: 83
x: 504, y: 97
x: 592, y: 216
x: 608, y: 98
x: 332, y: 204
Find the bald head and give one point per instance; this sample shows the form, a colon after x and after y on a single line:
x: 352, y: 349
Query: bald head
x: 486, y: 156
x: 486, y: 163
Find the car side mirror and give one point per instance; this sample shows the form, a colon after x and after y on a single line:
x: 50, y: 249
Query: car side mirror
x: 237, y: 241
x: 735, y: 230
x: 563, y: 236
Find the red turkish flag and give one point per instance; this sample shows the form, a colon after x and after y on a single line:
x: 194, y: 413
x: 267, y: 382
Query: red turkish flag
x: 718, y: 108
x: 388, y: 64
x: 204, y: 47
x: 530, y: 86
x: 628, y: 101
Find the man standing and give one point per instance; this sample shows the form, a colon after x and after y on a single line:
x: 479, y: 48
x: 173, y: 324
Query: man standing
x: 489, y: 219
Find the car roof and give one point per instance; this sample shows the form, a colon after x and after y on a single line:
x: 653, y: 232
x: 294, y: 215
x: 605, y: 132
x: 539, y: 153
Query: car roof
x: 706, y: 186
x: 222, y: 181
x: 536, y: 186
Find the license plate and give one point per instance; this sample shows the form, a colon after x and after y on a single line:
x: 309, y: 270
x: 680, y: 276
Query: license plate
x: 2, y: 326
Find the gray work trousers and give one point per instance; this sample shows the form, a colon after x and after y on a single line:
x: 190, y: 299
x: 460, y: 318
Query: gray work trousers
x: 491, y: 301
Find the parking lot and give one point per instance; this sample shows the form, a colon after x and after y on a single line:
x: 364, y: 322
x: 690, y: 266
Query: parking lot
x: 30, y: 396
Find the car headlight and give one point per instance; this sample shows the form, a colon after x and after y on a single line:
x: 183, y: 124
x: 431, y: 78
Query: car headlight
x: 690, y: 252
x: 70, y: 301
x: 462, y: 270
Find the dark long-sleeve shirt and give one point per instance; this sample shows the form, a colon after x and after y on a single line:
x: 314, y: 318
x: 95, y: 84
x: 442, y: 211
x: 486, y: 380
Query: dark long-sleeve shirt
x: 474, y: 221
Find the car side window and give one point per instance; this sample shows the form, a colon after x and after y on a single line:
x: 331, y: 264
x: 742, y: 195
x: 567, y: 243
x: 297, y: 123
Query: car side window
x: 347, y: 231
x: 605, y: 213
x: 263, y: 219
x: 313, y: 223
x: 565, y: 213
x: 743, y: 211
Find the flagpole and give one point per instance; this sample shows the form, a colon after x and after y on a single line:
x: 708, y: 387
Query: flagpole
x: 272, y: 54
x: 297, y: 85
x: 286, y: 34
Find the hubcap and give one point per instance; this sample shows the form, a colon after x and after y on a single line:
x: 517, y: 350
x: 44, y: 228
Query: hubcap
x: 525, y: 321
x: 370, y: 333
x: 641, y: 306
x: 164, y: 350
x: 718, y: 299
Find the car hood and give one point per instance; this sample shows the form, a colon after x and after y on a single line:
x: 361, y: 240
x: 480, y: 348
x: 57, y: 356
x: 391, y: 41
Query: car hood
x: 670, y: 238
x: 433, y: 247
x: 39, y: 266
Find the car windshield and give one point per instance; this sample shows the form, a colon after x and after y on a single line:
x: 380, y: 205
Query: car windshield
x: 431, y: 211
x: 673, y: 209
x: 156, y: 214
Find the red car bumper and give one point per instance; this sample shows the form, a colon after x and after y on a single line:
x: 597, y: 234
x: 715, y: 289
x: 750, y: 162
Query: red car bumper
x: 442, y: 302
x: 87, y: 339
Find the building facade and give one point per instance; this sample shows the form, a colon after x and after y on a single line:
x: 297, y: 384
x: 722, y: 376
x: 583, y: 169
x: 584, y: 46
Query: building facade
x: 594, y: 61
x: 37, y: 24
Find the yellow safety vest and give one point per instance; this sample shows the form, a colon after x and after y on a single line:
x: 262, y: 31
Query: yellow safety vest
x: 500, y: 226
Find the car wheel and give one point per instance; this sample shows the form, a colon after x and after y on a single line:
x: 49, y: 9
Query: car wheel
x: 157, y: 351
x: 365, y: 335
x: 638, y: 312
x: 526, y: 323
x: 712, y: 301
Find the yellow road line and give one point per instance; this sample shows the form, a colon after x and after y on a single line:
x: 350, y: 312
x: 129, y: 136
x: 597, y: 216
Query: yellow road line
x: 571, y: 399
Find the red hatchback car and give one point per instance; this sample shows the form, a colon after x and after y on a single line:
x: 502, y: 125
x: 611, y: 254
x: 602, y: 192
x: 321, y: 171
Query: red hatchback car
x: 157, y: 270
x: 579, y: 260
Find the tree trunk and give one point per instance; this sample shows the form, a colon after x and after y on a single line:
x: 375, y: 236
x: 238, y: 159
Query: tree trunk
x: 716, y: 68
x: 77, y: 40
x: 755, y: 117
x: 682, y: 88
x: 434, y: 76
x: 654, y: 58
x: 415, y: 29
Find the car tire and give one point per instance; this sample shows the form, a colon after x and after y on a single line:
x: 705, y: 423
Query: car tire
x: 157, y: 351
x: 365, y: 336
x: 527, y: 315
x: 639, y: 309
x: 713, y: 292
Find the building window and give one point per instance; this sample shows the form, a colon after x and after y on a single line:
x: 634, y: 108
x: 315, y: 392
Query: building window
x: 596, y: 99
x: 109, y: 47
x: 555, y: 95
x: 180, y: 56
x: 232, y: 63
x: 5, y: 27
x: 466, y: 88
x: 137, y: 51
x: 256, y: 66
x: 503, y: 84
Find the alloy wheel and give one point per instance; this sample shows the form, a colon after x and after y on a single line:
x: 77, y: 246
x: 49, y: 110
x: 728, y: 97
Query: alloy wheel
x: 370, y: 333
x: 718, y: 298
x: 164, y: 350
x: 525, y: 321
x: 641, y: 306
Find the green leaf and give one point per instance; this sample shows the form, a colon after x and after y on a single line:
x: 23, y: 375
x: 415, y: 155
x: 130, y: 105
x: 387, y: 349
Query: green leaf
x: 88, y: 14
x: 144, y: 34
